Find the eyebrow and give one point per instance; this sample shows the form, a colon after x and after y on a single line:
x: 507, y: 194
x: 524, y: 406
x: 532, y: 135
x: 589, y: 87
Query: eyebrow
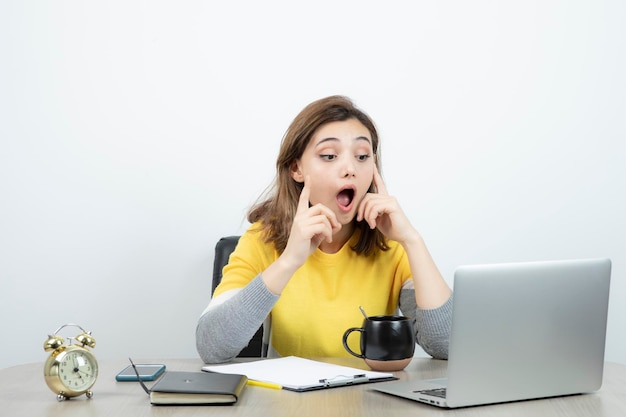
x: 333, y: 139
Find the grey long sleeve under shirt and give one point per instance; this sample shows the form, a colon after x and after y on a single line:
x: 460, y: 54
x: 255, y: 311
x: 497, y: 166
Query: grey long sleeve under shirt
x: 225, y: 329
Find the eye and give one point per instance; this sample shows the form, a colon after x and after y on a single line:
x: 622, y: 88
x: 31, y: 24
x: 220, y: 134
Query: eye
x: 328, y: 157
x: 363, y: 157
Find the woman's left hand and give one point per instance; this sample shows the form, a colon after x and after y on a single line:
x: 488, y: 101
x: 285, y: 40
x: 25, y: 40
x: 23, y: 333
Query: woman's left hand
x: 382, y: 211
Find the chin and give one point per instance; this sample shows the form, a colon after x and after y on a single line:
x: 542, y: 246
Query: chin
x: 345, y: 218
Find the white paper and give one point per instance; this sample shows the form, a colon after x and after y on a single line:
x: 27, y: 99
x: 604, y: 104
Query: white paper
x: 294, y: 372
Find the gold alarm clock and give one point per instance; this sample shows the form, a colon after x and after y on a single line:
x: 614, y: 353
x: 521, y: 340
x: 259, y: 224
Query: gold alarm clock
x: 71, y: 370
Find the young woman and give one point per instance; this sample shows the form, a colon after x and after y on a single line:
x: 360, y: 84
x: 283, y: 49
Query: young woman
x: 326, y: 240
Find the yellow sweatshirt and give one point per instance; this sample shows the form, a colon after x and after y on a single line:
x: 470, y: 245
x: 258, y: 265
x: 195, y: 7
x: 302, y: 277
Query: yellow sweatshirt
x: 322, y: 299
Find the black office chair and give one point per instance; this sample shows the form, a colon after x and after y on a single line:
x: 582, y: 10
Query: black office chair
x: 224, y: 247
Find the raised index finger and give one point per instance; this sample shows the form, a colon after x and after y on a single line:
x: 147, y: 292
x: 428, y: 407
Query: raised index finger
x: 303, y: 202
x: 378, y: 182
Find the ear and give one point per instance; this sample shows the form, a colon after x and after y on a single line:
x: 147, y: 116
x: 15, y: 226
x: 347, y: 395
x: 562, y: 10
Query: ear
x: 295, y: 172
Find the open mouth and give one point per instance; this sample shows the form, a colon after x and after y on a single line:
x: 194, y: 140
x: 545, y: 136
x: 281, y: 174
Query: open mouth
x: 345, y: 198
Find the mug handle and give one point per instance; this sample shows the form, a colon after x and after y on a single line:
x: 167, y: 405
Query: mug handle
x: 345, y: 341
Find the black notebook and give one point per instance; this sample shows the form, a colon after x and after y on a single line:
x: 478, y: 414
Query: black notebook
x: 197, y: 388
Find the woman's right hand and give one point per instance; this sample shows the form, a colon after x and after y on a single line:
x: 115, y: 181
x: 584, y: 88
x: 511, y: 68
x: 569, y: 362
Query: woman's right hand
x: 311, y: 226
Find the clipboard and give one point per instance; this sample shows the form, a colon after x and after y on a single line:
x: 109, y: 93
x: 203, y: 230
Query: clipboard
x: 299, y: 374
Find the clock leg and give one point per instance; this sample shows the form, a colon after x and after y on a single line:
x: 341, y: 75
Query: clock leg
x: 89, y: 394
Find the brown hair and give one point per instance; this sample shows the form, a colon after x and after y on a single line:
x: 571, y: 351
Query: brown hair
x: 277, y: 211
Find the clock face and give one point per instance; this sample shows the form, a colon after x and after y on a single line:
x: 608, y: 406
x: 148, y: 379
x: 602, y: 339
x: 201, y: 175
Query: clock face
x: 77, y: 370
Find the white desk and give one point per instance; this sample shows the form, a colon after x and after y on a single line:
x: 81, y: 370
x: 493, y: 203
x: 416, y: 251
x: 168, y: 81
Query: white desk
x: 23, y: 392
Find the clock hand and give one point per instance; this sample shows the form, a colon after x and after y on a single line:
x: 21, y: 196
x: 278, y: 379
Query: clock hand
x: 76, y: 370
x: 84, y: 373
x: 78, y: 373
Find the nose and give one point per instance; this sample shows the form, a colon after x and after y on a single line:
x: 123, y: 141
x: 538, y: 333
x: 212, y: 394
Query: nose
x: 348, y: 168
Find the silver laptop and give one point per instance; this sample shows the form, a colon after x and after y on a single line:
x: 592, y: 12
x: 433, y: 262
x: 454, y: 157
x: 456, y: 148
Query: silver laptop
x: 521, y: 331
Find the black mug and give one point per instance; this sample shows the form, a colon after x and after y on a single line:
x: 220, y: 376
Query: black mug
x: 387, y: 342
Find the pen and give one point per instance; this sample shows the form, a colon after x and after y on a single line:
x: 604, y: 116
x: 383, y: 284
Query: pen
x: 263, y: 384
x: 341, y: 380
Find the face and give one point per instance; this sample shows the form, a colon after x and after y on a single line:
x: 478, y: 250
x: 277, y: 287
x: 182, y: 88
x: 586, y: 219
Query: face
x: 78, y: 370
x: 340, y: 163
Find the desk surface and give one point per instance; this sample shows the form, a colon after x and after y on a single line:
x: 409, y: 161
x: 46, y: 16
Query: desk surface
x: 23, y: 392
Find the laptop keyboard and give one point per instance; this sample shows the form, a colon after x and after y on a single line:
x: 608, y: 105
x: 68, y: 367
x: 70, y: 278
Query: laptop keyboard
x: 436, y: 392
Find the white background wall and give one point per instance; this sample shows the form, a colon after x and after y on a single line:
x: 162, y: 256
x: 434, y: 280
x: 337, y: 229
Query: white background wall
x: 134, y: 134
